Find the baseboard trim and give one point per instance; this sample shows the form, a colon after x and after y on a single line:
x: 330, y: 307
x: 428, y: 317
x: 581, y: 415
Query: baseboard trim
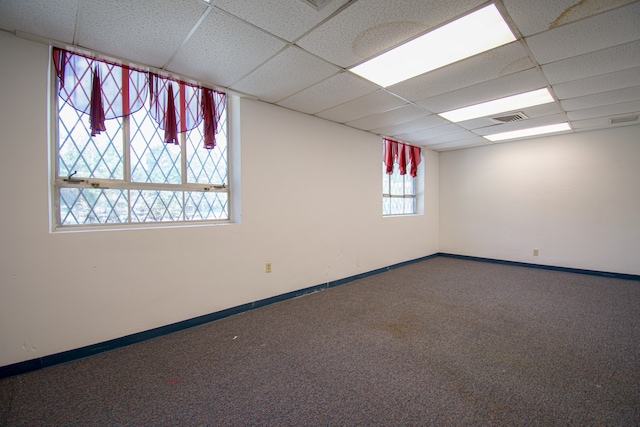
x: 544, y: 267
x: 114, y: 344
x: 91, y: 350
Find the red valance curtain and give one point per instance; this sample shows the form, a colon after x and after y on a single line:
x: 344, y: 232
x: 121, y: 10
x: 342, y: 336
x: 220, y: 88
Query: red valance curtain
x: 106, y: 90
x: 403, y: 154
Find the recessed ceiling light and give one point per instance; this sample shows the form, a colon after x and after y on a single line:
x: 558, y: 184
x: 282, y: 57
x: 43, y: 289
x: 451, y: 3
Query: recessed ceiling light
x: 470, y: 35
x: 510, y: 103
x: 540, y: 130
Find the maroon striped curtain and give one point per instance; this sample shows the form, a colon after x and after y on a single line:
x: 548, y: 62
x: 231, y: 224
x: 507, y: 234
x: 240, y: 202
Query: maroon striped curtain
x: 106, y: 90
x: 403, y: 154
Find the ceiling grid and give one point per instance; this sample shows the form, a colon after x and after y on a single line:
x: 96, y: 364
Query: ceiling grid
x: 291, y: 54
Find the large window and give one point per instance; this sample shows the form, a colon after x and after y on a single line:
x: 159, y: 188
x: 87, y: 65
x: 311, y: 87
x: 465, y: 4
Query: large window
x: 133, y: 169
x: 399, y: 171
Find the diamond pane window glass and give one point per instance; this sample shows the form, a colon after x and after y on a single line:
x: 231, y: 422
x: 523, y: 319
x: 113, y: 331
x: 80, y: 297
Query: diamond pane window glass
x: 409, y: 183
x: 398, y: 192
x: 207, y: 166
x: 397, y: 206
x: 385, y: 180
x: 397, y: 183
x: 156, y: 206
x: 85, y: 156
x: 409, y: 205
x: 80, y: 206
x: 386, y: 206
x: 152, y: 159
x: 126, y: 173
x: 201, y: 206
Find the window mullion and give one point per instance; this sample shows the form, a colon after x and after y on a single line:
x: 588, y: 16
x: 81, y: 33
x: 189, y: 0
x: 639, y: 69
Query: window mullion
x: 404, y: 194
x: 126, y: 151
x: 183, y: 166
x: 126, y: 157
x: 183, y: 149
x: 183, y: 156
x: 55, y: 139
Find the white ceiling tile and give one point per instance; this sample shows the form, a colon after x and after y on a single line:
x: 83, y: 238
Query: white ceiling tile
x: 490, y: 65
x: 542, y: 110
x: 287, y: 73
x: 257, y: 48
x: 223, y: 63
x: 431, y: 134
x: 598, y: 32
x: 369, y: 27
x: 592, y: 64
x: 621, y: 109
x: 334, y: 91
x: 531, y: 112
x: 532, y: 17
x: 373, y: 103
x: 463, y: 143
x: 388, y: 118
x: 450, y: 137
x: 524, y: 124
x: 597, y: 84
x: 288, y: 19
x: 421, y: 123
x: 160, y: 28
x: 512, y: 84
x: 55, y: 19
x: 603, y: 98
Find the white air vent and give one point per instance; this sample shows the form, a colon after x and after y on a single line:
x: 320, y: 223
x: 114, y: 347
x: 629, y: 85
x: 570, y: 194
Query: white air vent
x: 623, y: 119
x: 510, y: 118
x: 317, y: 4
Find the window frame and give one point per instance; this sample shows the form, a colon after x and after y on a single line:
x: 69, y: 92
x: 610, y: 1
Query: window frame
x: 418, y: 189
x: 388, y: 195
x: 126, y: 184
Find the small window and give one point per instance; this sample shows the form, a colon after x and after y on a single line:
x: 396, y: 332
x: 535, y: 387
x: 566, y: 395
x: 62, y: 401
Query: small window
x: 399, y: 171
x: 398, y: 193
x: 126, y: 173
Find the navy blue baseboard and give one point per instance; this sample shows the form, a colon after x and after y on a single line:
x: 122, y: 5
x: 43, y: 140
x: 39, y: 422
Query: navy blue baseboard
x: 90, y: 350
x: 544, y: 267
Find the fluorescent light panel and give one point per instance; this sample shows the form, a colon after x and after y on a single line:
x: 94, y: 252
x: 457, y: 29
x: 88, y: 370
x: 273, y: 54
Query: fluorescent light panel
x: 540, y: 130
x: 510, y: 103
x: 470, y: 35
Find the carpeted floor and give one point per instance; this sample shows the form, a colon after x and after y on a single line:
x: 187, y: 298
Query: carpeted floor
x: 441, y: 342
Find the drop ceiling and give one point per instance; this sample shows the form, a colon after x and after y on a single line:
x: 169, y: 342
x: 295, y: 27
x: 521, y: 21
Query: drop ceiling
x: 295, y: 55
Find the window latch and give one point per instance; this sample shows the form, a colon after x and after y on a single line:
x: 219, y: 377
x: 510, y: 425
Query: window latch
x: 71, y: 180
x: 217, y: 187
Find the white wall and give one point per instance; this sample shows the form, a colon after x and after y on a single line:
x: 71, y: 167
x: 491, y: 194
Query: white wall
x: 575, y: 197
x: 311, y: 205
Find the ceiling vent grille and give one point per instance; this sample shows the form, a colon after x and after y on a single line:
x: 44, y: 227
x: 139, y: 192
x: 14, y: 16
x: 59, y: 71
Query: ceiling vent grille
x: 623, y: 119
x: 510, y: 118
x: 316, y: 4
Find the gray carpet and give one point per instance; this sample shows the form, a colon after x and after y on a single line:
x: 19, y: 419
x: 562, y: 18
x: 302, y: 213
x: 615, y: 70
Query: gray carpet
x: 441, y: 342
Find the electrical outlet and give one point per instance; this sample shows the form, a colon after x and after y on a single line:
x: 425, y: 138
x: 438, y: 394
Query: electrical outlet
x: 267, y: 267
x: 535, y: 252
